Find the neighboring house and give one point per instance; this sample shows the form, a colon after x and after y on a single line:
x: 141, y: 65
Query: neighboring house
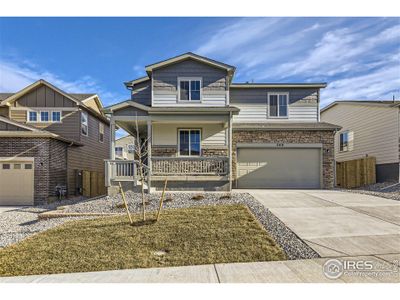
x: 46, y: 137
x: 125, y: 148
x: 368, y: 128
x: 205, y: 132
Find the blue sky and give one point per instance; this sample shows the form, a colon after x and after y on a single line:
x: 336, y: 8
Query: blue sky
x: 358, y: 57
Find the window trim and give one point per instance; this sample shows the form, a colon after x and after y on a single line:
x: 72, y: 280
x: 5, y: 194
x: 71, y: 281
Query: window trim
x: 39, y: 116
x: 55, y: 111
x: 179, y: 141
x: 28, y: 119
x: 287, y: 105
x: 122, y: 151
x: 347, y: 132
x: 87, y: 125
x: 190, y: 88
x: 101, y: 125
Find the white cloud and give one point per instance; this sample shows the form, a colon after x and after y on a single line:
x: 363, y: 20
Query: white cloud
x: 14, y: 76
x: 378, y: 85
x: 339, y: 51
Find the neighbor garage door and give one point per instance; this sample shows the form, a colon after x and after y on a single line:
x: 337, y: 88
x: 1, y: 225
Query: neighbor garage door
x: 16, y: 182
x: 279, y: 167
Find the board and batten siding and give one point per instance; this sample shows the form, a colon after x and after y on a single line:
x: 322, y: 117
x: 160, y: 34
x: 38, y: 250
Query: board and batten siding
x: 376, y: 131
x: 253, y: 104
x: 165, y: 84
x: 167, y: 134
x: 43, y: 96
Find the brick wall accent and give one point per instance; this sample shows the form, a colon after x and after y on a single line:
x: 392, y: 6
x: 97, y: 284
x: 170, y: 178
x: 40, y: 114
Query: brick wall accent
x: 326, y: 138
x: 214, y: 152
x: 163, y: 151
x: 50, y: 162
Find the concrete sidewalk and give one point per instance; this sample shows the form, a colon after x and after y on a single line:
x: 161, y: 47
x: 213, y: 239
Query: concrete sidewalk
x: 293, y: 271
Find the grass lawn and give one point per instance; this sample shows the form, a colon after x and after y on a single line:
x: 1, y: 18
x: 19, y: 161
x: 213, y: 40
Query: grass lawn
x: 192, y: 236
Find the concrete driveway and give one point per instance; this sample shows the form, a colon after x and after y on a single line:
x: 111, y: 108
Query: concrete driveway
x: 337, y: 223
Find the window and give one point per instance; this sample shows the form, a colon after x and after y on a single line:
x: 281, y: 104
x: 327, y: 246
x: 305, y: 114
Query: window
x: 6, y: 166
x: 32, y: 117
x: 131, y: 148
x: 44, y: 116
x: 346, y: 141
x: 28, y: 166
x: 190, y: 89
x: 101, y: 132
x: 119, y: 151
x: 17, y: 166
x: 278, y: 105
x: 84, y: 123
x: 56, y: 116
x: 189, y: 142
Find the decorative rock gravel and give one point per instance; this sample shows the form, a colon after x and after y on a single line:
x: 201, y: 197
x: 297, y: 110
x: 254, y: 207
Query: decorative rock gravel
x: 21, y: 223
x: 18, y: 224
x: 388, y: 190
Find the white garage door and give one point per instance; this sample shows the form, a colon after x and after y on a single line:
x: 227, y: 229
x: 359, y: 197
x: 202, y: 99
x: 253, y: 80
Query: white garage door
x: 16, y: 182
x: 279, y: 167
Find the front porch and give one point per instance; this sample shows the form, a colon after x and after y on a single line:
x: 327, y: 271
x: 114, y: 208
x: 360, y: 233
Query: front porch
x: 190, y: 149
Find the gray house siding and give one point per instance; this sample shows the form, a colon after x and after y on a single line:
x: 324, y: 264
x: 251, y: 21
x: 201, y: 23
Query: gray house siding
x: 141, y: 93
x: 253, y: 104
x: 165, y: 83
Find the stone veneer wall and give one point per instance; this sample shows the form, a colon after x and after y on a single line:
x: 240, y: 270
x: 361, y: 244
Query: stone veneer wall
x: 173, y: 151
x: 326, y: 138
x: 50, y: 162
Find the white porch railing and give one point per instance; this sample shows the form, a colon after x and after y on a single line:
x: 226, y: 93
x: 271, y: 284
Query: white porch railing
x: 119, y: 170
x: 190, y: 165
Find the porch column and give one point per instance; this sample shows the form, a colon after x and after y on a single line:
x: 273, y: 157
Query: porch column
x: 112, y: 137
x: 149, y: 138
x: 230, y: 149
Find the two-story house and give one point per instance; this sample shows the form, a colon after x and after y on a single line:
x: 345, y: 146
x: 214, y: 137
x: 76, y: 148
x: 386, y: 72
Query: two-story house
x: 369, y: 128
x: 47, y: 137
x: 206, y: 132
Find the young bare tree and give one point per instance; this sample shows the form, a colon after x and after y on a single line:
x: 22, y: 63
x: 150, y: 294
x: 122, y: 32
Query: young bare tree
x: 141, y: 153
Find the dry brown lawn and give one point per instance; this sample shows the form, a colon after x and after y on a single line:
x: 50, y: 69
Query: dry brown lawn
x: 192, y: 236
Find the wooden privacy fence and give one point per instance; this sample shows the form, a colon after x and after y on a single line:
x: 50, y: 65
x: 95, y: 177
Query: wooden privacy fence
x: 93, y: 184
x: 355, y: 173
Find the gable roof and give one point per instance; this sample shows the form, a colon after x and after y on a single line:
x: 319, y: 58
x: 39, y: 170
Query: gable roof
x: 279, y: 85
x: 188, y: 55
x: 15, y: 123
x: 378, y: 103
x: 32, y: 86
x: 78, y: 98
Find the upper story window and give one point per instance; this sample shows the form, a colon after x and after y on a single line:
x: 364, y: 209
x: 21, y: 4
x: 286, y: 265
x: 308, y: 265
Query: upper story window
x: 32, y: 116
x: 346, y: 141
x: 119, y: 151
x: 278, y: 105
x: 101, y: 132
x: 84, y: 123
x: 189, y: 142
x: 44, y: 116
x: 56, y: 116
x: 189, y: 89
